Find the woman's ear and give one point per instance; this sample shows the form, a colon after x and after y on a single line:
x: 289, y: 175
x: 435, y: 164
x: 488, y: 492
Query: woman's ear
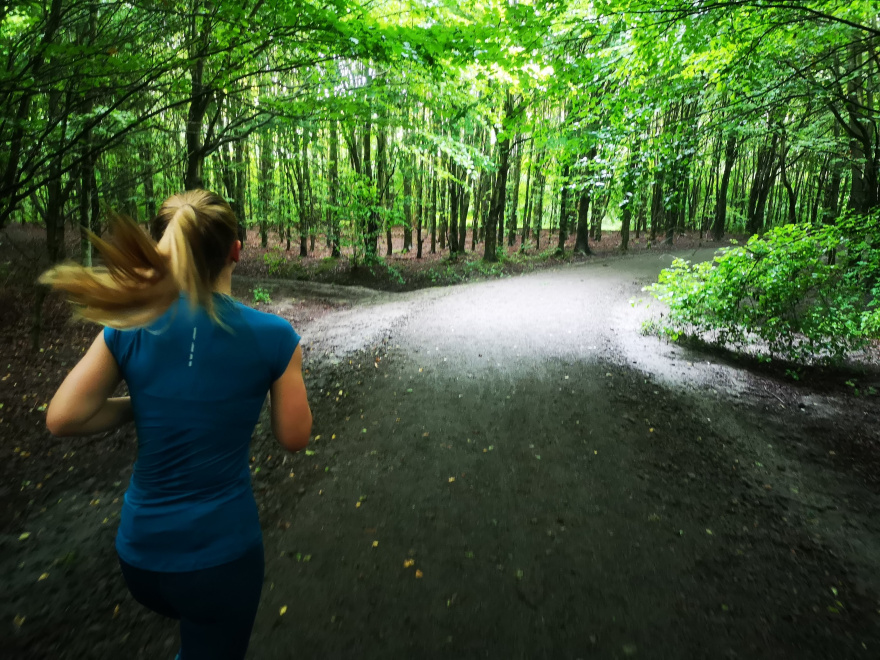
x: 235, y: 252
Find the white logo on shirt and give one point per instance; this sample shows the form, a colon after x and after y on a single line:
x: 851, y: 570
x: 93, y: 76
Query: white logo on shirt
x: 192, y: 348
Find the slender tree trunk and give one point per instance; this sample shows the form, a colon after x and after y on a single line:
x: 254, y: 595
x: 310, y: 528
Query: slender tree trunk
x: 464, y: 200
x: 478, y: 210
x: 720, y: 219
x: 792, y: 199
x: 333, y: 183
x: 265, y: 195
x: 433, y: 209
x: 420, y: 208
x: 310, y: 198
x: 514, y: 201
x: 582, y: 242
x: 408, y: 207
x: 527, y: 209
x: 200, y: 97
x: 496, y: 209
x: 452, y: 192
x: 443, y: 191
x: 563, y: 211
x: 371, y: 236
x: 539, y: 210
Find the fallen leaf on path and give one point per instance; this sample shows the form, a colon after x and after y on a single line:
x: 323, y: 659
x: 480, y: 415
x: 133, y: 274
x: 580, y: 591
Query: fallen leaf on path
x: 419, y: 574
x: 375, y: 544
x: 451, y: 479
x: 408, y: 563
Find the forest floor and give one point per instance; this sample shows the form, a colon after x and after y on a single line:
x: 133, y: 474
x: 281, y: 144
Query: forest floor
x: 502, y: 469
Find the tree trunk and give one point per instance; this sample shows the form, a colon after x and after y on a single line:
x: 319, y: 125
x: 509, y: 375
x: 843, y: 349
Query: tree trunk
x: 464, y: 200
x: 514, y: 201
x: 563, y: 211
x: 452, y: 207
x: 333, y: 183
x: 765, y: 174
x: 10, y: 175
x: 371, y: 235
x: 310, y: 198
x: 407, y: 207
x: 730, y: 150
x: 496, y: 208
x: 264, y: 187
x: 433, y: 209
x: 200, y: 98
x: 420, y: 207
x: 792, y: 212
x: 657, y: 211
x: 539, y: 210
x: 582, y: 240
x: 864, y: 140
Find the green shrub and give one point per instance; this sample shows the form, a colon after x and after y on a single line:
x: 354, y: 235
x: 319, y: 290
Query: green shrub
x: 261, y: 295
x: 275, y: 260
x: 799, y: 292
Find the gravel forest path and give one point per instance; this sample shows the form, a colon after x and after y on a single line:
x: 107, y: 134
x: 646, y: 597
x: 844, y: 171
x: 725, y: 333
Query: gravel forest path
x: 511, y: 469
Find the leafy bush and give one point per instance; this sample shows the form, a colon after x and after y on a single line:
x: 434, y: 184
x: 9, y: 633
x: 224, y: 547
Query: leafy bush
x: 275, y: 260
x: 280, y: 266
x: 799, y: 292
x: 261, y: 295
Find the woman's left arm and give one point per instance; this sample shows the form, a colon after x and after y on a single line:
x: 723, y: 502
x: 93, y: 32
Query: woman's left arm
x: 82, y: 405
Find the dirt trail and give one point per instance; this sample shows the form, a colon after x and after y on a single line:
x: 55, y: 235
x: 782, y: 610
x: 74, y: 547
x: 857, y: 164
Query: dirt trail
x: 511, y: 470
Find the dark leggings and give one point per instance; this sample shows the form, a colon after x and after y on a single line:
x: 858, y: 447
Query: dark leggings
x: 216, y: 606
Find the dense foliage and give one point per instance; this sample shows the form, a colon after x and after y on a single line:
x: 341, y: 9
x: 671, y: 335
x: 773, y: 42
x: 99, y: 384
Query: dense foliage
x: 799, y: 292
x: 468, y: 125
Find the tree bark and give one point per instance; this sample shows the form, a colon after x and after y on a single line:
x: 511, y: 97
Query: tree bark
x: 332, y: 211
x: 730, y: 151
x: 514, y: 201
x: 496, y: 208
x: 563, y: 210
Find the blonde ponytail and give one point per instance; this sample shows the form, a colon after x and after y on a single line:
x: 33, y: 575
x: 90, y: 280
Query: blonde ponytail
x: 189, y: 273
x: 140, y: 279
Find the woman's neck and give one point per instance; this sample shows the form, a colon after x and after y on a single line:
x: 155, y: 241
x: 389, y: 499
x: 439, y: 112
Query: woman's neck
x: 223, y: 284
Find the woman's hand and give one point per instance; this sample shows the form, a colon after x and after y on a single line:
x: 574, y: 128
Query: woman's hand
x: 82, y: 405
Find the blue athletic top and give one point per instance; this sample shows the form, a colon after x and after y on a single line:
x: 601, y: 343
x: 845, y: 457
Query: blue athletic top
x: 197, y: 389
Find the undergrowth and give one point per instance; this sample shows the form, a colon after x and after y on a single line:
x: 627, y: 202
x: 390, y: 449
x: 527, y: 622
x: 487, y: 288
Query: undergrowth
x: 799, y: 292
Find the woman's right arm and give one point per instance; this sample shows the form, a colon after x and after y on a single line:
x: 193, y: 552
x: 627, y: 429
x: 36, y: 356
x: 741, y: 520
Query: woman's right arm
x: 291, y: 415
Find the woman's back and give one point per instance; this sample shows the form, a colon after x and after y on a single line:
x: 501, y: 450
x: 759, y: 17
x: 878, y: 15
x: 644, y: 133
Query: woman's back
x: 197, y: 388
